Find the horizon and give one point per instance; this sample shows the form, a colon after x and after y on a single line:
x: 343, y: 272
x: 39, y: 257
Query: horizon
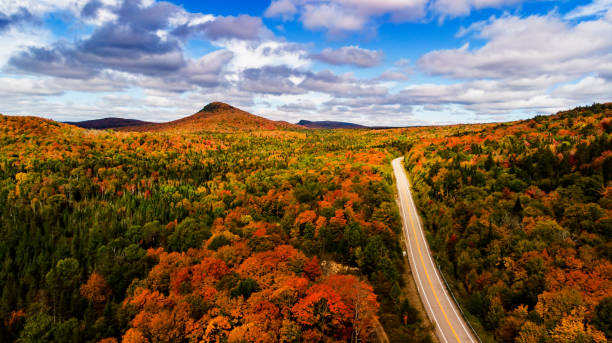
x: 529, y: 117
x: 390, y: 63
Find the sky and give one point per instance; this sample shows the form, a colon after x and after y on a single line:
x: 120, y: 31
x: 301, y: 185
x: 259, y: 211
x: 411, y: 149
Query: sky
x: 382, y: 62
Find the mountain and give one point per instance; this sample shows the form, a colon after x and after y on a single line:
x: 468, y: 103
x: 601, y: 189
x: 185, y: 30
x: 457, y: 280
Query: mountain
x: 330, y: 125
x: 218, y: 117
x: 108, y: 123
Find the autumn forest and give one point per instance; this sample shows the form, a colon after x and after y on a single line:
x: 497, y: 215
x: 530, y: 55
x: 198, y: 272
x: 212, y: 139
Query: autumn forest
x: 227, y: 227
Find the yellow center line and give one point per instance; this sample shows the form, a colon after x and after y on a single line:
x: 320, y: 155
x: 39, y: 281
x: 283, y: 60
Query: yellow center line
x: 427, y: 274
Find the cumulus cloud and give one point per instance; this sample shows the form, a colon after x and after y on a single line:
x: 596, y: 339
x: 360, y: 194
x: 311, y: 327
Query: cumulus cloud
x: 132, y: 44
x: 40, y: 7
x: 585, y: 90
x: 243, y: 27
x: 300, y: 108
x: 90, y: 11
x: 271, y: 80
x: 13, y: 86
x: 57, y: 61
x: 339, y: 16
x: 332, y: 17
x: 249, y: 54
x: 344, y: 85
x: 458, y: 8
x: 537, y: 63
x: 14, y: 39
x: 22, y: 15
x: 392, y: 75
x: 596, y: 8
x: 526, y: 47
x: 287, y: 81
x: 143, y: 47
x: 485, y: 96
x: 351, y: 55
x: 144, y: 38
x: 281, y: 8
x: 206, y: 71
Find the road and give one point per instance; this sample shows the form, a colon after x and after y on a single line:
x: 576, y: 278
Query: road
x: 441, y: 309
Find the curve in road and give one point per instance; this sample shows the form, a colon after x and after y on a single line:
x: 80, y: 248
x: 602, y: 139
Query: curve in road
x: 441, y: 309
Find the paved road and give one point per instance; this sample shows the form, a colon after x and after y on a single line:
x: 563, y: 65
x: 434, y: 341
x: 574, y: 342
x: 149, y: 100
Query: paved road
x: 442, y: 311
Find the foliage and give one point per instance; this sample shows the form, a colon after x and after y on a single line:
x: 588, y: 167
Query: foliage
x: 520, y: 218
x: 214, y: 234
x: 189, y: 236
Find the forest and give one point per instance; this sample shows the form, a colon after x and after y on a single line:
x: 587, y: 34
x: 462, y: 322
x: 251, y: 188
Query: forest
x: 293, y: 235
x: 264, y: 236
x: 520, y: 215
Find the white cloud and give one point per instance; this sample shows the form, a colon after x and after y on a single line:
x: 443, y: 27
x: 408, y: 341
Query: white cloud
x: 457, y: 8
x: 15, y: 39
x: 353, y: 55
x: 331, y: 17
x: 190, y: 19
x: 339, y: 16
x: 13, y: 86
x: 483, y: 97
x: 344, y: 85
x: 537, y: 63
x: 108, y: 81
x: 527, y: 47
x: 208, y: 69
x: 268, y: 53
x: 596, y: 8
x: 392, y: 75
x: 283, y: 8
x: 39, y: 7
x: 588, y: 90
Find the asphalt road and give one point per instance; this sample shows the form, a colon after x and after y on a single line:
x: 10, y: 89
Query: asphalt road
x: 441, y: 309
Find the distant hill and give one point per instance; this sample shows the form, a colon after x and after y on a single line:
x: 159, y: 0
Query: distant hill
x: 218, y: 117
x: 108, y: 123
x: 330, y: 125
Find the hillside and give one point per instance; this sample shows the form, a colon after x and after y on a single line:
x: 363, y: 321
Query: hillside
x: 11, y: 126
x: 520, y: 220
x: 235, y: 237
x: 216, y: 117
x: 107, y: 123
x: 329, y: 125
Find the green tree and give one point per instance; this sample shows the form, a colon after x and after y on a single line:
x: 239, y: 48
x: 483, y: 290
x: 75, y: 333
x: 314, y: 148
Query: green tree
x: 602, y: 319
x: 245, y: 288
x: 63, y: 281
x: 38, y: 328
x: 188, y: 234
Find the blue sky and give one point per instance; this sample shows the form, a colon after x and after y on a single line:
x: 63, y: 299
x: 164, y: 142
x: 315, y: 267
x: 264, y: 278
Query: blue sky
x: 384, y: 62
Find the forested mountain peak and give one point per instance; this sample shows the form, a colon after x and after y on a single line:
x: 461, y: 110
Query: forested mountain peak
x: 217, y: 106
x: 217, y: 117
x: 107, y: 123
